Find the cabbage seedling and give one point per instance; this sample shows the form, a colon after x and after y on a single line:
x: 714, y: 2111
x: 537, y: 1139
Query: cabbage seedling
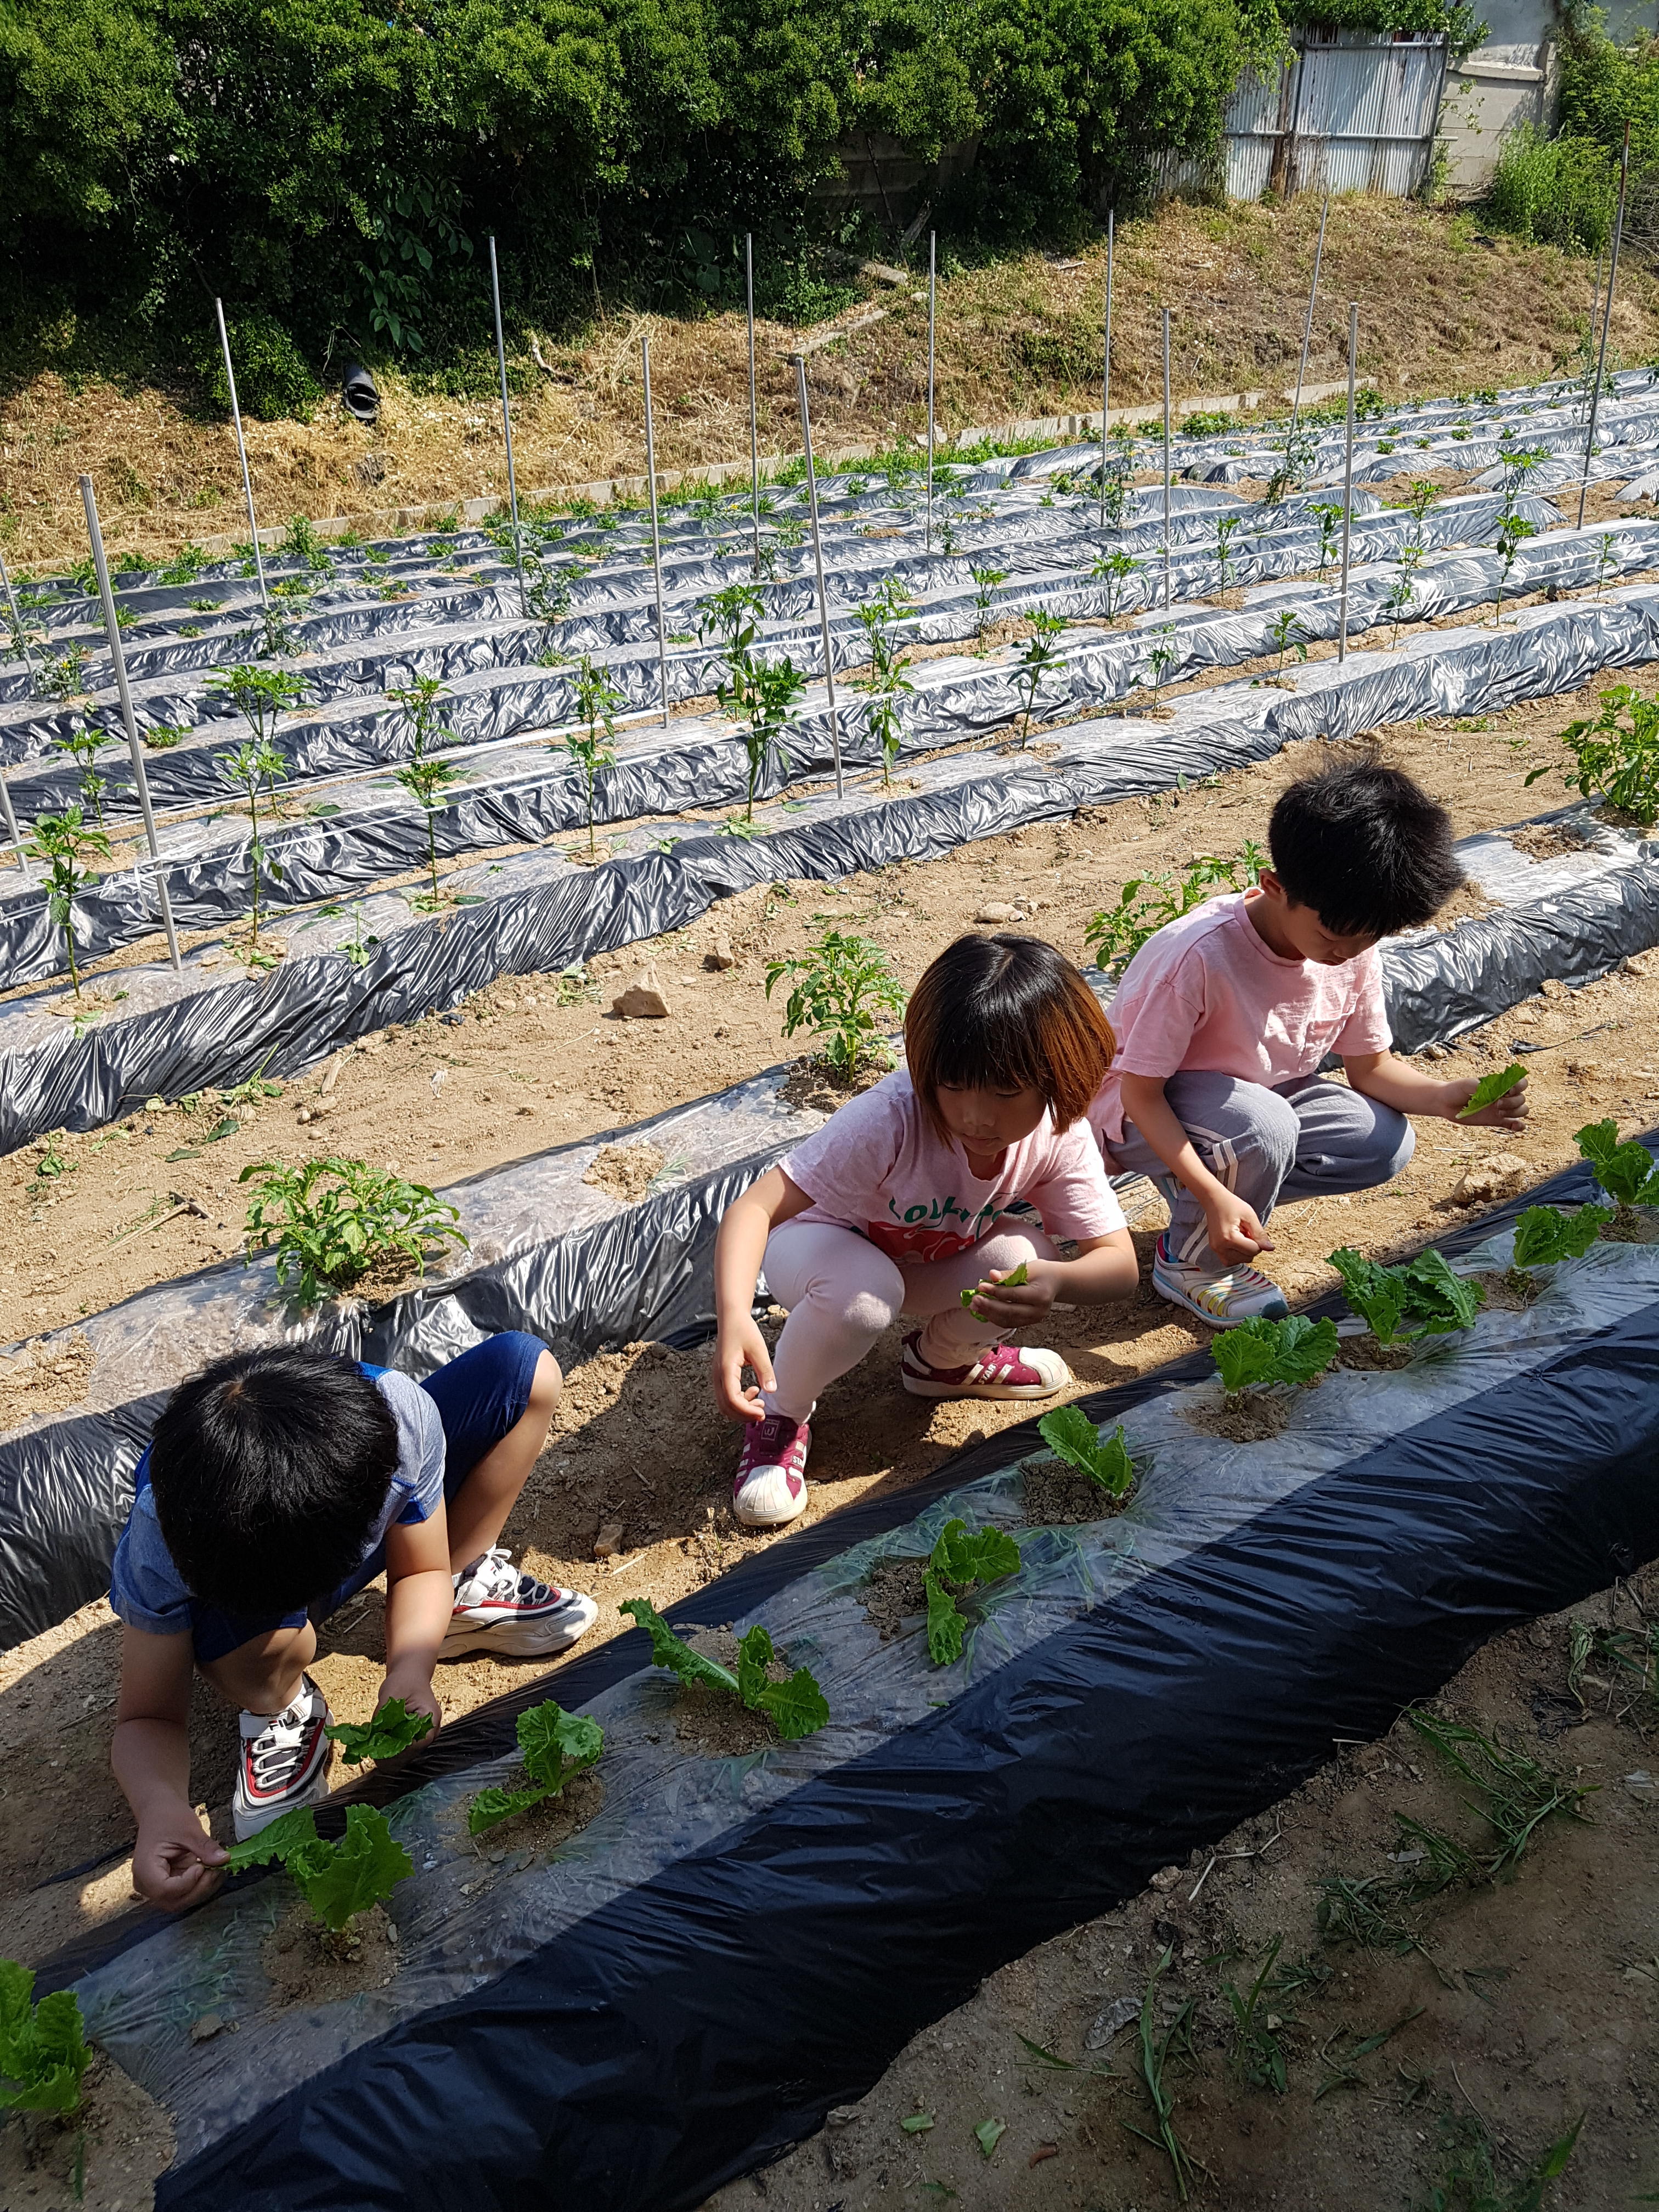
x: 797, y: 1707
x: 1544, y: 1235
x: 1441, y: 1301
x: 338, y: 1881
x: 43, y: 2051
x: 957, y: 1562
x: 553, y: 1745
x: 1294, y: 1350
x: 1378, y: 1294
x: 1493, y: 1087
x: 1627, y: 1171
x: 392, y: 1730
x: 1017, y: 1280
x: 1425, y: 1291
x: 1072, y: 1435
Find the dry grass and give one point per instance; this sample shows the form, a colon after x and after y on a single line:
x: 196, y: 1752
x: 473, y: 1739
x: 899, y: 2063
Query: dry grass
x: 1439, y: 308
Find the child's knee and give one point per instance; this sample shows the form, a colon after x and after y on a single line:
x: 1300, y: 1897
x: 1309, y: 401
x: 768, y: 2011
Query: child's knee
x: 546, y: 1386
x: 869, y: 1312
x: 1396, y: 1140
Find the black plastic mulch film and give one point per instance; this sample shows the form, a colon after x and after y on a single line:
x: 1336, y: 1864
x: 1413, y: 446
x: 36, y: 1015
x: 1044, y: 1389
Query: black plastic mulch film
x: 631, y: 2029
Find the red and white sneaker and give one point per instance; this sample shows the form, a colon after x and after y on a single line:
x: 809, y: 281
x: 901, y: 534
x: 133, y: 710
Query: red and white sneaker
x: 770, y: 1486
x: 1000, y: 1371
x: 284, y: 1761
x: 499, y: 1607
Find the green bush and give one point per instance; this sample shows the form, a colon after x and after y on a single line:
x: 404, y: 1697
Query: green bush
x: 273, y: 378
x: 1560, y: 191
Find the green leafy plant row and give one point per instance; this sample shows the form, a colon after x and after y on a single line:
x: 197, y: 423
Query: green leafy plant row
x: 337, y: 1880
x: 1399, y: 1304
x: 797, y: 1707
x: 1072, y: 1435
x: 331, y: 1221
x: 958, y: 1561
x: 553, y: 1745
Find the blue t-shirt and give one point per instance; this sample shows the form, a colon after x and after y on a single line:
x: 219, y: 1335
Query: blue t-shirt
x: 147, y: 1590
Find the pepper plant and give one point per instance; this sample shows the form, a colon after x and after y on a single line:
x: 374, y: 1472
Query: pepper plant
x: 761, y: 693
x: 842, y: 987
x: 887, y: 680
x: 597, y: 700
x: 1329, y: 516
x: 249, y: 766
x: 64, y: 844
x: 260, y: 694
x: 1512, y: 533
x: 1616, y: 755
x: 83, y: 746
x: 331, y: 1221
x: 1146, y: 903
x: 985, y: 583
x: 1037, y: 656
x: 1114, y: 570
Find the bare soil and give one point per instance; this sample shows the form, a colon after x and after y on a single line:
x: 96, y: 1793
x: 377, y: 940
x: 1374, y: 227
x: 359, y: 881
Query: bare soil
x: 896, y: 1593
x: 1537, y: 2002
x: 625, y: 1172
x: 1246, y: 1417
x: 1015, y: 338
x: 116, y: 2143
x: 1056, y: 1496
x: 310, y: 1964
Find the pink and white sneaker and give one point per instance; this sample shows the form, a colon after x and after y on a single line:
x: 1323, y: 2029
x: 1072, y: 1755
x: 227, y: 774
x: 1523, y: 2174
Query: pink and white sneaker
x: 999, y: 1371
x: 500, y: 1609
x: 770, y: 1486
x: 1237, y: 1294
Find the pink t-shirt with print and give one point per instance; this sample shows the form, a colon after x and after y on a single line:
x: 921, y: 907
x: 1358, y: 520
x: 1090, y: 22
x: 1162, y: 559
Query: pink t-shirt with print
x: 1208, y: 992
x: 877, y: 1166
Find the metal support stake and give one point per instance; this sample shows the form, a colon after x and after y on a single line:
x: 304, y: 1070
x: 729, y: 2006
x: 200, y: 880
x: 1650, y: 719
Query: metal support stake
x: 1595, y: 295
x: 12, y: 830
x: 241, y: 448
x: 89, y: 501
x: 1347, y: 484
x: 754, y: 420
x: 1606, y: 323
x: 656, y: 542
x: 1307, y: 331
x: 507, y: 432
x: 818, y: 554
x: 1166, y: 459
x: 933, y: 273
x: 1106, y: 370
x: 17, y: 624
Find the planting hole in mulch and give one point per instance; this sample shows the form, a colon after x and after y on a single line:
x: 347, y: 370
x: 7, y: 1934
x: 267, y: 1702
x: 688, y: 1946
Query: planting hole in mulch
x: 1632, y: 1224
x: 310, y: 1964
x: 810, y: 1083
x: 1512, y: 1291
x: 1366, y: 1356
x: 1249, y: 1418
x: 894, y: 1597
x: 44, y: 1377
x: 1468, y: 903
x: 624, y: 1171
x: 550, y: 1824
x: 712, y: 1720
x: 1058, y: 1497
x: 1547, y: 841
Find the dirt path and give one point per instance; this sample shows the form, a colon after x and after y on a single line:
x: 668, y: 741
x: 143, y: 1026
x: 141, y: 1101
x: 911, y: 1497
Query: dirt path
x: 1439, y: 309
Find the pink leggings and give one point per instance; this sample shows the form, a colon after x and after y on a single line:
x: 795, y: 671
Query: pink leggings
x: 843, y: 1292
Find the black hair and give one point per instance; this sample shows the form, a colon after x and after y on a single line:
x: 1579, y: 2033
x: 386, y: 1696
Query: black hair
x: 1366, y: 848
x: 1007, y: 1011
x: 269, y: 1469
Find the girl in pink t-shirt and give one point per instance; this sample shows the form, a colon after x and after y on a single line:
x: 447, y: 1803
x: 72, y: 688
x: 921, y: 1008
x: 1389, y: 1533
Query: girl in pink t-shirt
x: 901, y: 1202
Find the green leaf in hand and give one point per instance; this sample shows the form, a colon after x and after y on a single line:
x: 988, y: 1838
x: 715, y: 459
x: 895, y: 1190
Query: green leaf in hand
x: 392, y: 1731
x: 1492, y: 1087
x: 293, y: 1832
x: 1014, y: 1280
x: 339, y: 1880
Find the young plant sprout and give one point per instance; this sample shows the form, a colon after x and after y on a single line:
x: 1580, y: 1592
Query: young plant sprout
x: 64, y: 843
x: 1114, y: 570
x: 1496, y: 1085
x: 1403, y: 591
x: 1425, y: 1293
x: 392, y: 1731
x: 338, y: 1881
x: 1038, y: 654
x: 796, y: 1708
x: 1159, y: 661
x: 250, y: 765
x: 426, y: 782
x: 887, y: 680
x: 1261, y: 1352
x: 1627, y: 1171
x: 597, y: 700
x: 1604, y: 559
x: 419, y: 700
x: 1616, y: 756
x: 1545, y: 1235
x: 1072, y: 1435
x: 842, y: 986
x: 955, y: 1564
x: 64, y: 676
x: 1226, y: 526
x: 761, y: 693
x: 1146, y: 902
x: 1329, y: 516
x: 84, y: 745
x: 1284, y: 636
x: 333, y: 1221
x: 259, y: 694
x: 553, y: 1746
x: 985, y: 583
x: 43, y: 2047
x: 1512, y: 533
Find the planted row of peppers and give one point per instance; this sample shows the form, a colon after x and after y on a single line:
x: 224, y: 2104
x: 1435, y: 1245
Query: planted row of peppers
x: 43, y: 2050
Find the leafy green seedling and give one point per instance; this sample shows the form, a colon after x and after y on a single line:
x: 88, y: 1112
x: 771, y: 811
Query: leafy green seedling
x: 1017, y: 1280
x: 1441, y: 1301
x: 1616, y: 756
x: 797, y: 1707
x: 1627, y: 1171
x: 1072, y: 1435
x: 1544, y: 1235
x: 553, y: 1745
x: 43, y: 2051
x: 1378, y: 1294
x: 1493, y: 1087
x: 1425, y: 1291
x: 957, y: 1562
x: 1294, y: 1350
x: 392, y: 1730
x: 841, y: 987
x: 338, y: 1881
x: 331, y: 1221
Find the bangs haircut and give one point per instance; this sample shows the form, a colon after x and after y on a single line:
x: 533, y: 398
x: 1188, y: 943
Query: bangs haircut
x: 269, y: 1469
x: 1003, y: 1013
x: 1364, y: 847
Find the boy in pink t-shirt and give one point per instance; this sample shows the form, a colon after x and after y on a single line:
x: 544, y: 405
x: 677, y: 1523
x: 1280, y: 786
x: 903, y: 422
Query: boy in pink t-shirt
x: 915, y: 1193
x: 1224, y: 1019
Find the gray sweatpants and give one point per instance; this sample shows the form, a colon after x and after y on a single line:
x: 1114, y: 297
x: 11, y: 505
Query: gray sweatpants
x: 1304, y: 1138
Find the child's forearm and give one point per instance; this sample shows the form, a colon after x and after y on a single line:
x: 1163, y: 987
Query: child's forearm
x: 738, y: 1251
x: 150, y: 1759
x: 1100, y: 1276
x: 418, y: 1610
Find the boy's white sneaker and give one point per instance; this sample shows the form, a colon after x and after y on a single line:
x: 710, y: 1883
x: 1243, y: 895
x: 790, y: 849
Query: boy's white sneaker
x: 1237, y: 1294
x: 283, y: 1763
x: 500, y: 1607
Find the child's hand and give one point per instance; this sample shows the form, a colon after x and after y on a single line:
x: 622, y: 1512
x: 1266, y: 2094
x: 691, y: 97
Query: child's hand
x: 175, y: 1863
x: 416, y: 1690
x: 1508, y: 1112
x: 1235, y: 1231
x: 739, y: 1345
x: 1014, y: 1305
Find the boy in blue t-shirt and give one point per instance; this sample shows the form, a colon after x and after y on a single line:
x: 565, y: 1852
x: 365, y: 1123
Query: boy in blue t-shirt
x: 278, y: 1482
